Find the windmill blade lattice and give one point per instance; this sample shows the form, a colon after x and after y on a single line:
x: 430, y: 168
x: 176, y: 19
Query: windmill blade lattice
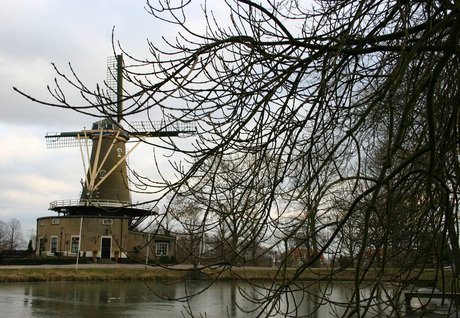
x: 66, y: 139
x: 160, y: 129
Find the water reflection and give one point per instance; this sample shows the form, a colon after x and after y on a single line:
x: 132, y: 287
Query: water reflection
x: 135, y: 299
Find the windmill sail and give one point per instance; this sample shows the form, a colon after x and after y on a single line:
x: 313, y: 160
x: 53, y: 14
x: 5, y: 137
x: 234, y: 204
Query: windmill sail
x: 66, y: 139
x: 115, y: 66
x: 161, y: 129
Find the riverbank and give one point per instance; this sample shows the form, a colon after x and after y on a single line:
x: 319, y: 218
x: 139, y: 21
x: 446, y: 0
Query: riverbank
x: 138, y: 272
x: 86, y: 273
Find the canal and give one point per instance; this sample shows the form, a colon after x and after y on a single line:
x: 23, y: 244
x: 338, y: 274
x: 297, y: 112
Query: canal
x: 136, y: 299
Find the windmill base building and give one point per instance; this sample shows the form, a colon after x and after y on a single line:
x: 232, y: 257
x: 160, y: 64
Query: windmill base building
x: 101, y: 237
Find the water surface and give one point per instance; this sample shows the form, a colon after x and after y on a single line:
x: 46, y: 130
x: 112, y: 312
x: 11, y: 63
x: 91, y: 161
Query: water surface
x: 136, y: 299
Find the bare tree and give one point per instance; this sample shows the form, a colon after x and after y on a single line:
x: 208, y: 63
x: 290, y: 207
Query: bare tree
x: 231, y: 193
x: 13, y: 235
x: 3, y: 233
x: 374, y: 83
x: 192, y: 227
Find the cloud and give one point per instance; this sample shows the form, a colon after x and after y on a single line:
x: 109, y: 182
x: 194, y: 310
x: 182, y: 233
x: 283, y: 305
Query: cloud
x: 31, y: 168
x: 33, y: 176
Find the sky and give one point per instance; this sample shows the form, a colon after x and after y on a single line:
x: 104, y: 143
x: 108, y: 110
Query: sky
x: 34, y: 34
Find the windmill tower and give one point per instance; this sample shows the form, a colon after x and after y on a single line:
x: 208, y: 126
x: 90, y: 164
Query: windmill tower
x: 105, y: 190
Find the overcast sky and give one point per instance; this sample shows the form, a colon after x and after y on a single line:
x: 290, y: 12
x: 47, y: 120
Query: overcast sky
x: 33, y: 34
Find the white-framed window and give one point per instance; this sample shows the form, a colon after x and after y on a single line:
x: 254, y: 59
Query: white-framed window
x: 42, y: 223
x: 54, y: 242
x: 74, y: 241
x: 107, y: 222
x: 55, y: 221
x: 161, y: 248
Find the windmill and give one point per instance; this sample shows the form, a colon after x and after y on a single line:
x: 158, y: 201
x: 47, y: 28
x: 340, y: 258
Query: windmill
x: 105, y: 190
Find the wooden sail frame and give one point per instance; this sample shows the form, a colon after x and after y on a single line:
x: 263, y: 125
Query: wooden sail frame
x: 94, y: 170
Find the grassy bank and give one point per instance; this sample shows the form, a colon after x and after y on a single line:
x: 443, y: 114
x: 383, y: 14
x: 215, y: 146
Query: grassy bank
x: 157, y: 274
x: 86, y: 274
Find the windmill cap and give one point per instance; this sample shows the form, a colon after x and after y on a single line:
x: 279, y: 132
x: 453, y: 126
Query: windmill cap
x: 109, y: 124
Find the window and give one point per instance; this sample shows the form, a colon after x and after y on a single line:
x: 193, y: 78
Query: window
x: 74, y: 244
x: 41, y: 246
x: 103, y: 173
x: 54, y: 244
x: 162, y: 249
x: 107, y: 222
x: 55, y: 221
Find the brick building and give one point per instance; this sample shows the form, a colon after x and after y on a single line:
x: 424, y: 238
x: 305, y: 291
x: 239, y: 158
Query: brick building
x: 65, y: 235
